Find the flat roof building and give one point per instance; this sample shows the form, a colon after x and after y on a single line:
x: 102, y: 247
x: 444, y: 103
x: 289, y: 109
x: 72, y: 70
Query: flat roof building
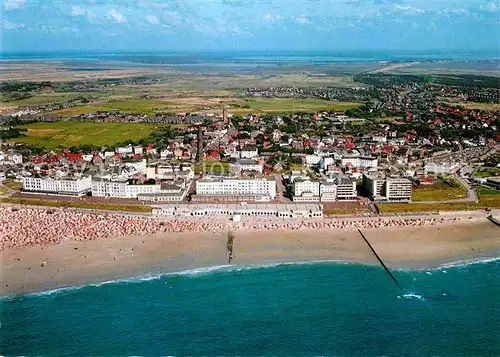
x: 65, y: 186
x: 236, y: 187
x: 382, y: 188
x: 289, y: 210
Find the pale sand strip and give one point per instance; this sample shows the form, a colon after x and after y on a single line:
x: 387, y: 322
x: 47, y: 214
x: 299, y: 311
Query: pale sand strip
x: 78, y: 262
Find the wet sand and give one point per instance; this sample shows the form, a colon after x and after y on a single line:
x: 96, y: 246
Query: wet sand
x: 75, y: 262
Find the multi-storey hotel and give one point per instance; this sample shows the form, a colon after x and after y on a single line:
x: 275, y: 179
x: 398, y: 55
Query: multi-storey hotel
x: 235, y: 189
x: 120, y: 188
x: 359, y: 161
x: 306, y: 190
x: 383, y: 188
x: 66, y: 186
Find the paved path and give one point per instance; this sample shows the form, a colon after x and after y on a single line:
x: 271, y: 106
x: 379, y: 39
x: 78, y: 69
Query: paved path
x: 281, y: 189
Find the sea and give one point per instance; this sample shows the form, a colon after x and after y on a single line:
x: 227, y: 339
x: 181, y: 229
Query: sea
x: 310, y: 308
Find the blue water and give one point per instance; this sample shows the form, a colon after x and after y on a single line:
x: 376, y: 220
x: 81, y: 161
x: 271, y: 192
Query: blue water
x: 261, y: 57
x: 299, y: 309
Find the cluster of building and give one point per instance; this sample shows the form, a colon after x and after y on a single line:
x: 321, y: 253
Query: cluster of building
x: 146, y: 182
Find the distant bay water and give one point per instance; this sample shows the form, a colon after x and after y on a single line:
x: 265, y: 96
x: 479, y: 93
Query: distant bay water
x: 262, y: 57
x: 289, y: 309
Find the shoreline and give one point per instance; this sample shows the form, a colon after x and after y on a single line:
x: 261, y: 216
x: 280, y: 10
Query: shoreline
x: 236, y: 268
x: 79, y: 263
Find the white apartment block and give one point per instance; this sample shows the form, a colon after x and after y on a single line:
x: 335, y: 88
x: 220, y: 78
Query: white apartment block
x: 346, y: 190
x: 380, y: 138
x: 247, y: 153
x: 313, y: 191
x: 325, y: 162
x: 16, y: 158
x: 170, y: 193
x: 236, y: 187
x: 328, y: 191
x: 386, y: 188
x: 72, y: 187
x: 312, y: 159
x: 138, y: 150
x: 359, y: 161
x: 169, y: 172
x: 306, y: 187
x: 440, y: 168
x: 124, y: 150
x: 247, y: 165
x: 137, y: 166
x: 398, y: 189
x: 121, y: 189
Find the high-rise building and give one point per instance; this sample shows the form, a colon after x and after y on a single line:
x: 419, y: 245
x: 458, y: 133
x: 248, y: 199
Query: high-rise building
x: 380, y: 187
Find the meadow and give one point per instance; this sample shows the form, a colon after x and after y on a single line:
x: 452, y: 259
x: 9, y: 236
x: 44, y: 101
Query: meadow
x: 59, y: 135
x: 438, y: 192
x: 488, y: 198
x: 210, y: 105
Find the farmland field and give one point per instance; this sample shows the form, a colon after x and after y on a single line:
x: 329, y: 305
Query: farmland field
x: 270, y: 105
x: 199, y: 104
x: 66, y: 134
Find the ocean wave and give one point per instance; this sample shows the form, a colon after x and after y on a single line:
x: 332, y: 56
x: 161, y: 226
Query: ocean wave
x: 465, y: 262
x: 449, y: 265
x: 412, y: 296
x: 238, y: 268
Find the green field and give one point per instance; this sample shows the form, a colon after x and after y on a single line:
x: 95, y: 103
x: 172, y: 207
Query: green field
x: 488, y: 172
x: 66, y: 134
x: 276, y: 105
x: 486, y: 191
x: 133, y: 106
x: 438, y: 192
x: 46, y: 98
x: 199, y: 104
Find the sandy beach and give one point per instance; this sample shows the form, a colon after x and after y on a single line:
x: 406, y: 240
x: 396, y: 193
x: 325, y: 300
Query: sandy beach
x: 75, y: 262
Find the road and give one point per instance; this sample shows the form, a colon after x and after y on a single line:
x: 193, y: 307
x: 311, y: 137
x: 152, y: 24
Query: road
x: 281, y: 189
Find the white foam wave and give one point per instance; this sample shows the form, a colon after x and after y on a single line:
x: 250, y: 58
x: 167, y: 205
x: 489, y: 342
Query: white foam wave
x: 465, y: 262
x: 411, y: 296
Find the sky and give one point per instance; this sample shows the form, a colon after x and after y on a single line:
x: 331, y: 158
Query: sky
x: 224, y: 25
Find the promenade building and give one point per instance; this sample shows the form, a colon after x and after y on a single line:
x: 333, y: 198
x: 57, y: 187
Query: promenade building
x: 281, y: 210
x: 306, y: 190
x: 235, y: 189
x: 65, y: 186
x: 120, y: 188
x: 328, y: 191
